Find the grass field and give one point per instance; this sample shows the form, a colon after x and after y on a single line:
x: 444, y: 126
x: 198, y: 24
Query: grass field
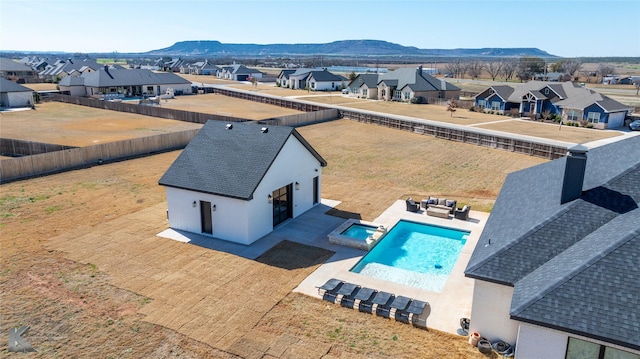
x: 88, y: 308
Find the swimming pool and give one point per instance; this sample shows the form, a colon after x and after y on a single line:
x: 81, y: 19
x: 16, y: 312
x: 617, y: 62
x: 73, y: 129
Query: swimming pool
x: 414, y: 254
x: 359, y: 231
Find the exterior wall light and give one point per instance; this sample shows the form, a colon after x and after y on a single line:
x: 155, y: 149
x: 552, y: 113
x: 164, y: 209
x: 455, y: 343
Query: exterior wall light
x: 297, y: 186
x: 213, y: 208
x: 193, y: 204
x: 270, y: 198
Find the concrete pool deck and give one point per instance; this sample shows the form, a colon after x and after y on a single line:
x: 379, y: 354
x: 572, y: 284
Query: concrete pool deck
x: 448, y: 306
x: 314, y: 226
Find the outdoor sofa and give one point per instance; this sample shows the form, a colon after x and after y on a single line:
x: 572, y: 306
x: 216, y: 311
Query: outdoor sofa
x: 441, y: 203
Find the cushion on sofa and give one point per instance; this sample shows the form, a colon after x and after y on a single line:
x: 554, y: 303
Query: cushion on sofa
x: 450, y: 203
x: 442, y: 201
x: 432, y: 200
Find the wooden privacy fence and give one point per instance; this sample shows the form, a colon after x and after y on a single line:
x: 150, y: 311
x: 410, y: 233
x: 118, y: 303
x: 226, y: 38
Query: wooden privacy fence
x: 303, y: 119
x: 478, y: 137
x: 12, y: 169
x: 17, y: 148
x: 155, y: 111
x: 270, y: 100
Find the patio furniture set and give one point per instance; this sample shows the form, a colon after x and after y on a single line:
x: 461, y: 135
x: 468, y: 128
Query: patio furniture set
x: 383, y: 304
x: 439, y: 207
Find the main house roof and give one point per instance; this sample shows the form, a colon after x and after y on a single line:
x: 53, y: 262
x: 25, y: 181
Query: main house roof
x: 230, y: 161
x: 573, y: 266
x: 108, y: 77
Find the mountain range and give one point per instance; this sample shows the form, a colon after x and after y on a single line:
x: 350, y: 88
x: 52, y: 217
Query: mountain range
x: 363, y: 48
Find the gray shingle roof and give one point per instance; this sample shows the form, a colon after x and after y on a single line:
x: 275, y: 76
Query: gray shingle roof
x: 10, y: 86
x: 7, y: 64
x: 130, y: 77
x: 230, y: 162
x: 325, y: 76
x: 574, y: 266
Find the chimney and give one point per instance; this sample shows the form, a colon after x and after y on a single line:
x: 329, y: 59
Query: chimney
x: 574, y: 174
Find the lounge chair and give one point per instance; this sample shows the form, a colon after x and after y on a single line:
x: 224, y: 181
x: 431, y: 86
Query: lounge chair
x: 328, y: 290
x: 383, y: 300
x: 399, y: 307
x: 462, y: 213
x: 346, y: 292
x: 419, y: 311
x: 364, y: 299
x: 412, y: 206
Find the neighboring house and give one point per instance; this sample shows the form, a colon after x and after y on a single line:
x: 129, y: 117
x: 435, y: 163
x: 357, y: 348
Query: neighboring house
x: 63, y: 68
x: 237, y: 72
x: 109, y: 83
x: 402, y: 85
x: 16, y: 71
x: 365, y: 86
x: 238, y: 181
x: 318, y: 79
x: 573, y: 102
x: 552, y: 76
x: 283, y: 78
x: 14, y: 95
x: 557, y: 268
x: 172, y: 65
x: 199, y: 68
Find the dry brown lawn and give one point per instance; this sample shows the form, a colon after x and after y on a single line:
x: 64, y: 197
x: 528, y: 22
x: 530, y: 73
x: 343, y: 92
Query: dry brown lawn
x: 109, y: 301
x: 551, y: 131
x: 73, y: 125
x: 48, y: 86
x: 227, y: 106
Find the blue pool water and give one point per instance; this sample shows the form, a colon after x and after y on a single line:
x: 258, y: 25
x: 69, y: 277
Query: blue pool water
x: 414, y: 254
x: 359, y: 231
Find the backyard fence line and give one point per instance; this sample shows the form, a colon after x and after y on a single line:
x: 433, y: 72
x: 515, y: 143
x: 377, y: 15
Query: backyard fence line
x: 16, y: 148
x: 13, y: 169
x: 303, y: 119
x: 154, y: 111
x: 481, y: 138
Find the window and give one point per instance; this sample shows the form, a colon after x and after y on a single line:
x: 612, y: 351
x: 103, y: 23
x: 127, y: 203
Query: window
x: 364, y: 92
x: 593, y: 117
x: 582, y: 349
x: 482, y: 103
x: 546, y: 91
x: 573, y: 115
x: 495, y: 105
x: 406, y: 95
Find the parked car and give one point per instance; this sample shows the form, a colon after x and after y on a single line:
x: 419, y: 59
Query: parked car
x: 635, y: 125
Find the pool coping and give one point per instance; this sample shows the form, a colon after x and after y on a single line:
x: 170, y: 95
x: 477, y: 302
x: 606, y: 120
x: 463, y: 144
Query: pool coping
x: 336, y: 236
x: 448, y: 306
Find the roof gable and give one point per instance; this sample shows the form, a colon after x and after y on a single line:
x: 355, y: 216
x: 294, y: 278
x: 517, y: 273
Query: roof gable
x: 230, y: 161
x: 10, y: 86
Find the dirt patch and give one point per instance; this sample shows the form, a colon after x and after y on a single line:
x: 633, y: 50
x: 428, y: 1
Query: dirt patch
x: 291, y: 255
x: 82, y: 265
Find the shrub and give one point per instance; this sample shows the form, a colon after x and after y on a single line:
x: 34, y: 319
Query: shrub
x: 589, y: 125
x: 418, y: 100
x: 472, y: 109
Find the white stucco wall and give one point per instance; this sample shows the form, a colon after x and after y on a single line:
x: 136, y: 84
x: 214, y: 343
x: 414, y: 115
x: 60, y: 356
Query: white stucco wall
x: 17, y: 99
x: 535, y: 342
x: 244, y: 221
x: 490, y: 312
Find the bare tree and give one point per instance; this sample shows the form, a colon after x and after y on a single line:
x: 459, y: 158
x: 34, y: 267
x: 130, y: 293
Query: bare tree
x: 455, y: 68
x: 508, y: 69
x: 451, y: 106
x: 636, y: 83
x: 605, y: 70
x: 493, y: 68
x: 474, y: 68
x: 571, y: 67
x: 588, y: 75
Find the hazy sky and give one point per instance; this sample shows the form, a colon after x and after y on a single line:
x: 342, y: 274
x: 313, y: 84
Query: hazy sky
x: 567, y: 28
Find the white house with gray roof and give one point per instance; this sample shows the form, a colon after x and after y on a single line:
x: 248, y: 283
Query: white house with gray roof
x: 117, y: 83
x: 238, y: 181
x: 13, y: 95
x: 316, y: 79
x: 557, y: 268
x: 402, y: 84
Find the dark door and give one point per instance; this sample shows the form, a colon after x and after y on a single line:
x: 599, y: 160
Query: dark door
x: 282, y: 204
x: 316, y: 190
x: 205, y: 217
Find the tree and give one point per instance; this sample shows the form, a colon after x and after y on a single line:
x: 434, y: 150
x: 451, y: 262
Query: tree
x: 508, y: 69
x: 605, y: 70
x: 571, y: 67
x: 455, y: 67
x: 474, y: 68
x: 528, y: 66
x: 352, y: 76
x: 493, y: 68
x: 451, y: 106
x: 636, y: 83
